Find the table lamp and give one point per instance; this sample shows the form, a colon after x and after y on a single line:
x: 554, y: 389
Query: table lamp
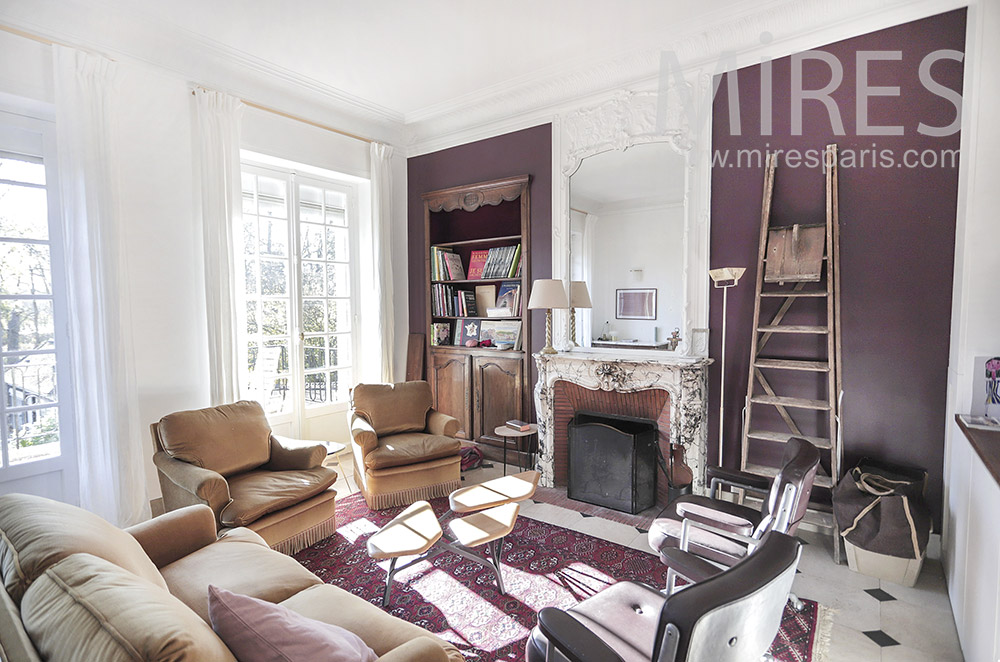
x: 546, y: 294
x: 579, y: 297
x: 725, y: 278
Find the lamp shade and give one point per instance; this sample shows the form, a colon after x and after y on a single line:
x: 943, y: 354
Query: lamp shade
x: 579, y: 295
x: 547, y: 293
x: 726, y: 276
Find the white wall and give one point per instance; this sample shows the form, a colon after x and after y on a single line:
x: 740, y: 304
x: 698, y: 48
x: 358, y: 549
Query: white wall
x: 649, y: 239
x: 163, y: 233
x: 968, y: 540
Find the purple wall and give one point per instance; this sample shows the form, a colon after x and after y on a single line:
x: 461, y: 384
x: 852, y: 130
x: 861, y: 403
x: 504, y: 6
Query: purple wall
x: 528, y: 151
x: 897, y: 242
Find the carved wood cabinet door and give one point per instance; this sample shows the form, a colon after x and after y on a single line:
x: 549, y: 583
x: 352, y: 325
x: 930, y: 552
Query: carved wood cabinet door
x: 451, y: 383
x: 498, y: 383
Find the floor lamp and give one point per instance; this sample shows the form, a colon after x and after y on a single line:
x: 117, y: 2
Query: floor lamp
x: 725, y: 278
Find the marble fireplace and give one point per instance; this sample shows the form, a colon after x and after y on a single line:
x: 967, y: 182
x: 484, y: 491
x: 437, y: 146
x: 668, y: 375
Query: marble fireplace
x: 670, y: 390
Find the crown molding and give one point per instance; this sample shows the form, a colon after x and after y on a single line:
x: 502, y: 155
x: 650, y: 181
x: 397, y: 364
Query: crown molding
x: 779, y: 29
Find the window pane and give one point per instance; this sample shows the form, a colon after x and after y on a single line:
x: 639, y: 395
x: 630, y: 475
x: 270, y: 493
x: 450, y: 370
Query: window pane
x: 311, y: 194
x: 30, y: 380
x: 33, y: 435
x: 250, y: 235
x: 249, y: 204
x: 24, y: 269
x: 271, y: 187
x: 269, y: 208
x: 16, y: 170
x: 315, y: 352
x: 273, y: 277
x: 336, y: 217
x: 340, y: 350
x: 316, y: 388
x: 340, y: 384
x: 252, y: 352
x: 273, y: 237
x: 310, y: 213
x: 313, y: 319
x: 336, y: 280
x: 248, y: 183
x: 250, y: 275
x: 26, y: 324
x: 23, y: 212
x: 339, y: 311
x: 252, y: 319
x: 312, y: 279
x: 275, y: 318
x: 336, y: 244
x: 312, y: 241
x: 336, y: 199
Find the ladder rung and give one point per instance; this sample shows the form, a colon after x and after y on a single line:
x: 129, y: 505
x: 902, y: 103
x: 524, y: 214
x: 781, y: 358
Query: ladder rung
x: 792, y: 328
x: 781, y: 401
x: 783, y: 437
x: 793, y: 294
x: 793, y: 364
x: 771, y: 472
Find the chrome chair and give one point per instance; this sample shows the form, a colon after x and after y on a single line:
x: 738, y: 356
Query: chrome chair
x: 731, y: 617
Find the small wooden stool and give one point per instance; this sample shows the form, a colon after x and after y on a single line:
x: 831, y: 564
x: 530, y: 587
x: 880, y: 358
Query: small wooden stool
x: 416, y: 532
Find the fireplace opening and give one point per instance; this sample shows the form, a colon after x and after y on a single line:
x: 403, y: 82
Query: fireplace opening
x: 612, y: 461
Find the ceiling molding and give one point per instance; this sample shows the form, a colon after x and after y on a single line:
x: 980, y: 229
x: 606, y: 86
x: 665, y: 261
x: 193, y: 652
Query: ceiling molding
x: 781, y: 28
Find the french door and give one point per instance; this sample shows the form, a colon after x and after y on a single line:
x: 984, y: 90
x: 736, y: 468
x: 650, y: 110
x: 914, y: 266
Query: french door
x: 295, y: 259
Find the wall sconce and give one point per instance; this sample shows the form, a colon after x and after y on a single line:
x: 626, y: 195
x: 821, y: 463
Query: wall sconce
x: 725, y: 278
x: 546, y: 294
x: 579, y: 297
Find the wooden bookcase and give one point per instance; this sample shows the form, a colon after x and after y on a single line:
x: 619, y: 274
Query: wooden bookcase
x: 483, y: 388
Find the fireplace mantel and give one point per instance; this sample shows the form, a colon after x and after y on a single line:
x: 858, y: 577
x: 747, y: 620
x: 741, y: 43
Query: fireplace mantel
x: 685, y: 379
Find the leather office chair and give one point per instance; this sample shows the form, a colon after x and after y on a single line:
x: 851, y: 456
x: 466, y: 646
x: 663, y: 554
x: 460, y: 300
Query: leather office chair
x: 732, y: 617
x: 226, y: 458
x: 782, y: 509
x: 404, y: 450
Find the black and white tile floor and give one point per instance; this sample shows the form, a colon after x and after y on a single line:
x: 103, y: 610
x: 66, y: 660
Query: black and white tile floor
x: 873, y: 620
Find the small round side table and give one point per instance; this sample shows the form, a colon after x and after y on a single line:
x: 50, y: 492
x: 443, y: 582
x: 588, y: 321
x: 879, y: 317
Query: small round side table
x: 336, y: 449
x: 506, y: 433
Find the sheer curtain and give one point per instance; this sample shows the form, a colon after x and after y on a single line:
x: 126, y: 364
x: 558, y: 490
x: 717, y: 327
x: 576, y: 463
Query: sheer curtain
x: 381, y: 252
x: 218, y: 147
x: 109, y: 439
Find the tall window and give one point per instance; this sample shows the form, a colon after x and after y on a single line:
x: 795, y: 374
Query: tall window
x: 295, y: 248
x: 31, y: 300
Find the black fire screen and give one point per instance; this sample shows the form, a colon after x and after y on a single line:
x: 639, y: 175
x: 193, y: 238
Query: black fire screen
x: 612, y: 461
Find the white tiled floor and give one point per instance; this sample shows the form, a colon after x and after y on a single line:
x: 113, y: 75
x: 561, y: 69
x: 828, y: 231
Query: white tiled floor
x: 918, y: 619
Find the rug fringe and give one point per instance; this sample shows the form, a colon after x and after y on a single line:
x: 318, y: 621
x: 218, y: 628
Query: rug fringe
x: 407, y: 497
x: 304, y: 539
x: 824, y: 634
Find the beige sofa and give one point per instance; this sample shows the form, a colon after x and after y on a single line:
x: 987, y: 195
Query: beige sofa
x: 404, y: 450
x: 77, y: 589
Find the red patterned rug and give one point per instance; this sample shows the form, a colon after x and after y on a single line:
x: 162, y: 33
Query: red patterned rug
x: 544, y: 566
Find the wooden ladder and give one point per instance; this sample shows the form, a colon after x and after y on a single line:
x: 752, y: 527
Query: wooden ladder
x: 799, y: 255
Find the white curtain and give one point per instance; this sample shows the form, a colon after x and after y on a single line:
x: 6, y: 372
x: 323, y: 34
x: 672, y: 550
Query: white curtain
x: 109, y: 439
x: 381, y: 256
x: 585, y: 316
x: 218, y: 147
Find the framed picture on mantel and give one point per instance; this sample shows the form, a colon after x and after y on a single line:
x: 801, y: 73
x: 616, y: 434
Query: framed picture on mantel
x: 636, y: 304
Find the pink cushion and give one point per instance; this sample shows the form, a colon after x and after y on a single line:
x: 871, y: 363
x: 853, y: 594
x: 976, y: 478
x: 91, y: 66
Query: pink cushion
x: 259, y: 631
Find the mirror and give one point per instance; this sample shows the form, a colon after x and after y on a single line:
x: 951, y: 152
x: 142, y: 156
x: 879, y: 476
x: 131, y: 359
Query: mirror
x: 627, y: 224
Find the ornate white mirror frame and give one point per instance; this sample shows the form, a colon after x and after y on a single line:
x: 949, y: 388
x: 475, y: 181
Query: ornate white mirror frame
x: 627, y: 119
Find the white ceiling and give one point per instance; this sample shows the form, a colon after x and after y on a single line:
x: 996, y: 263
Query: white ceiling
x: 410, y: 59
x: 642, y: 175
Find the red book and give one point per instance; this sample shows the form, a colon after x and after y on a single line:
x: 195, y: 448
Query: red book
x: 477, y: 260
x: 520, y: 426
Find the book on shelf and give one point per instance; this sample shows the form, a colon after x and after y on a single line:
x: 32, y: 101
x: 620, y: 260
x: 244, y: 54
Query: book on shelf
x: 469, y: 308
x: 501, y: 262
x: 477, y: 260
x: 509, y: 297
x: 453, y: 267
x: 438, y: 254
x: 515, y: 262
x: 440, y: 333
x: 486, y: 297
x: 507, y: 332
x: 499, y: 312
x: 466, y: 330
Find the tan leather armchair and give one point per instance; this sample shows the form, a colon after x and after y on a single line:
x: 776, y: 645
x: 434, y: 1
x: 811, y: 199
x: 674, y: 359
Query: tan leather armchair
x: 404, y: 450
x: 226, y: 458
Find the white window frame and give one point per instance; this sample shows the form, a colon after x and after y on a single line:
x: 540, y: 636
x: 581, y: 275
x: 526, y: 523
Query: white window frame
x: 296, y: 175
x: 33, y: 119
